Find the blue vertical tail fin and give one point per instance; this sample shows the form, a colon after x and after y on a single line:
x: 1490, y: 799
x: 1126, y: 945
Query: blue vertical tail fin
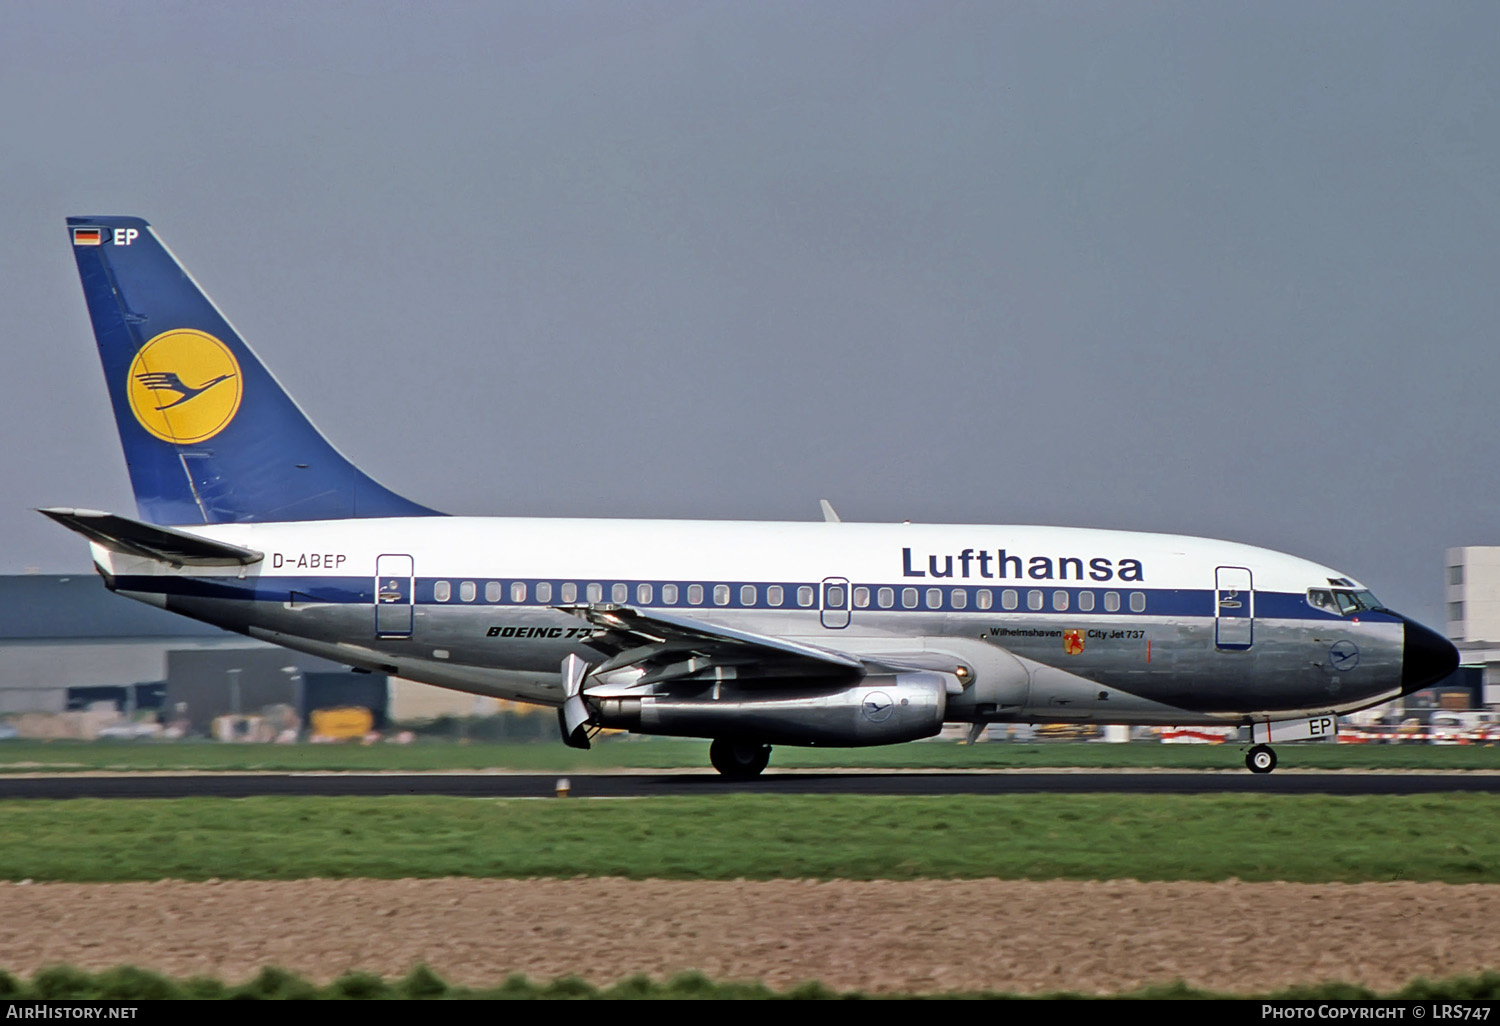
x: 209, y: 435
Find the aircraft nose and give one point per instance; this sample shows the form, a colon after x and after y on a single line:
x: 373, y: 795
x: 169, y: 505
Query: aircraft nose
x: 1426, y: 657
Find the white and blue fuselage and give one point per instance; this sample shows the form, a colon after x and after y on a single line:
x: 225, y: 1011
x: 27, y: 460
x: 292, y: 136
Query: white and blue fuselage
x: 1171, y: 629
x: 751, y: 634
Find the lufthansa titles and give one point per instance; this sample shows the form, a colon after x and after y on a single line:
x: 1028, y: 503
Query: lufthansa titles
x: 999, y: 564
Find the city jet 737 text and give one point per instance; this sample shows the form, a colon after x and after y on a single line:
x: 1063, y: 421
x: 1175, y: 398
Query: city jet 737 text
x: 822, y: 633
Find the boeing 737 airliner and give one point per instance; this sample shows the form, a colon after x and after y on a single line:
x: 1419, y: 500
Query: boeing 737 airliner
x: 750, y: 634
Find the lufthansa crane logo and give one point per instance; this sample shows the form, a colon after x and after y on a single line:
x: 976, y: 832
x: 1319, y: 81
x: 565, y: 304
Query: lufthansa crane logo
x: 184, y: 386
x: 1343, y: 656
x: 877, y: 707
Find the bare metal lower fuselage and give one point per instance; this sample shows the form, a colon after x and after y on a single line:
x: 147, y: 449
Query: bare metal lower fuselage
x: 1168, y: 672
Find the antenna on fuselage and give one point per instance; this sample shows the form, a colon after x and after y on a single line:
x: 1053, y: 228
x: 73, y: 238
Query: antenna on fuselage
x: 828, y: 513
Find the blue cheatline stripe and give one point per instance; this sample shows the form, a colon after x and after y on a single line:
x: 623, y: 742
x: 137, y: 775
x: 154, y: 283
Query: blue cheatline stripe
x: 339, y: 590
x: 1186, y: 602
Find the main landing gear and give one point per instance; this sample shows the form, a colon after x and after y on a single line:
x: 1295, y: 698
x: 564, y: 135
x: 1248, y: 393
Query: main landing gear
x: 738, y: 760
x: 1260, y: 759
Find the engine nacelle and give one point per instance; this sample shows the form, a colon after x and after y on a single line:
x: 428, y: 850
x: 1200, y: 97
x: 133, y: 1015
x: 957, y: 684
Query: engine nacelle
x: 882, y: 709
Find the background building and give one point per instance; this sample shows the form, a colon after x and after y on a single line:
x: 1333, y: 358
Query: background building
x: 1473, y: 616
x: 67, y: 646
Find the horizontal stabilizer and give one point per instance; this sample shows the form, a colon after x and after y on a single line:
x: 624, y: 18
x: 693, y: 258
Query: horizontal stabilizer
x: 162, y: 543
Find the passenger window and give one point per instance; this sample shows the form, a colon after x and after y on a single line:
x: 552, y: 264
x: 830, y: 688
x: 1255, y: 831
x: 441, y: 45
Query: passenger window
x: 721, y: 594
x: 442, y: 591
x: 619, y: 593
x: 468, y: 591
x: 669, y: 594
x: 695, y: 594
x: 747, y: 594
x: 570, y: 592
x: 834, y: 597
x: 886, y: 597
x: 959, y: 598
x: 595, y: 592
x: 984, y: 599
x: 1137, y: 601
x: 518, y: 591
x: 1033, y: 599
x: 493, y: 591
x: 1009, y: 598
x: 1085, y: 601
x: 544, y: 592
x: 1060, y: 601
x: 805, y: 596
x: 1111, y: 601
x: 774, y: 595
x: 861, y: 598
x: 643, y: 594
x: 909, y: 598
x: 934, y: 598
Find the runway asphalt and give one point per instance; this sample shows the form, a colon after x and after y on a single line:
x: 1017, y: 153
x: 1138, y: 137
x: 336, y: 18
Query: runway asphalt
x: 659, y: 783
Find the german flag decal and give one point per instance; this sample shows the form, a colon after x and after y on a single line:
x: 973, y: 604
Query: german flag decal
x: 88, y: 237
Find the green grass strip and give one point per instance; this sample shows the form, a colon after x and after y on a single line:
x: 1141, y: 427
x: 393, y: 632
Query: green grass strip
x: 63, y: 983
x: 668, y: 753
x: 1449, y: 838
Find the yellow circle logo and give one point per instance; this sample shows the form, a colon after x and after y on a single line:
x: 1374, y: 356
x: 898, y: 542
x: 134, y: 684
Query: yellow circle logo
x: 184, y: 386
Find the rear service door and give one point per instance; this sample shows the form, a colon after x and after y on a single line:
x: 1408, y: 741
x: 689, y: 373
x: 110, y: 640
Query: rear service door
x: 393, y: 596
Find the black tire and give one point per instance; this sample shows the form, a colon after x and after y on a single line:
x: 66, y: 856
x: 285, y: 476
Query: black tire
x: 738, y: 760
x: 1260, y: 759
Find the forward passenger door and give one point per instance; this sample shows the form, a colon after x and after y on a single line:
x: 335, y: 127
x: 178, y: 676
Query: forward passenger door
x: 1234, y: 608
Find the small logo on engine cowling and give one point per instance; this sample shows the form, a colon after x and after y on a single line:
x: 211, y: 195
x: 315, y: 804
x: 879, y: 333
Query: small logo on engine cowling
x: 877, y: 707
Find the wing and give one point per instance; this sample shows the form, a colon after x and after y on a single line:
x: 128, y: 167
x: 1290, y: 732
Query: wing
x: 652, y: 648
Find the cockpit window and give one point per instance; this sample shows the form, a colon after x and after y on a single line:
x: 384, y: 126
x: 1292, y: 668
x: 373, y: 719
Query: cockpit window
x: 1318, y: 598
x: 1340, y: 602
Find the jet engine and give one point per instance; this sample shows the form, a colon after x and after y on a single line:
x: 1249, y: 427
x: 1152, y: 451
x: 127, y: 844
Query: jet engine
x: 881, y: 709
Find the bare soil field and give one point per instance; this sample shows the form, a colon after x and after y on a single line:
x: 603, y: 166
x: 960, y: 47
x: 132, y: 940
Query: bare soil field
x: 928, y: 936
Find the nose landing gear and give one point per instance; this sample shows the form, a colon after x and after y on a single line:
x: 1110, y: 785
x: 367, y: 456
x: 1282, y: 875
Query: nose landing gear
x: 1260, y: 759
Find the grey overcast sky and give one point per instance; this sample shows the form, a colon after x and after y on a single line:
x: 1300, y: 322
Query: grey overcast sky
x: 1219, y: 269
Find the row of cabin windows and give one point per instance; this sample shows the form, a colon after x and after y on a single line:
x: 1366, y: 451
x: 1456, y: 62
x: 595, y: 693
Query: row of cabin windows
x: 671, y: 594
x: 984, y: 598
x: 884, y: 598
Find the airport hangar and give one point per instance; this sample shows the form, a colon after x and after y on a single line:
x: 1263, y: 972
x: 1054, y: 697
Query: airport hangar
x: 69, y: 646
